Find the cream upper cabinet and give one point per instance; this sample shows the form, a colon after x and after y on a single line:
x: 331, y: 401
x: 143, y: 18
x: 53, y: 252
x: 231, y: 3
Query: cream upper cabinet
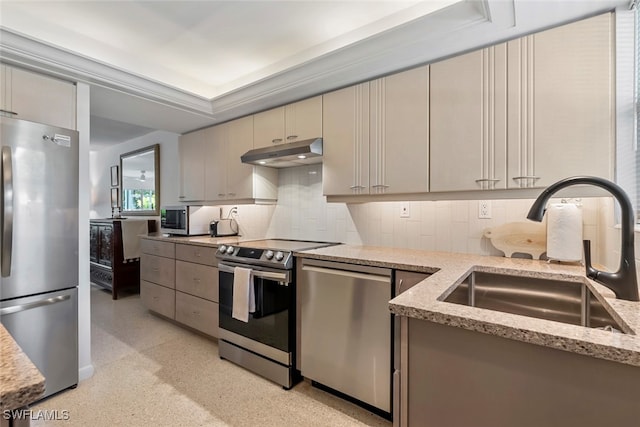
x: 293, y: 122
x: 468, y: 121
x: 226, y: 177
x: 345, y: 151
x: 399, y: 133
x: 376, y: 136
x: 561, y: 103
x: 192, y: 147
x: 526, y: 113
x: 37, y: 98
x: 215, y: 171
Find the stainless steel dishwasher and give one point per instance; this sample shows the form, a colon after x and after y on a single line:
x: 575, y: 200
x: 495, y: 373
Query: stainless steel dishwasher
x: 345, y: 329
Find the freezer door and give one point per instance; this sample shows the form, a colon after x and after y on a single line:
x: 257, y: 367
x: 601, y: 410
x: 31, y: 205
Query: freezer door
x: 39, y: 208
x: 46, y: 328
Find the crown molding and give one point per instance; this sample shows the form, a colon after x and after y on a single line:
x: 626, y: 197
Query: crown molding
x: 461, y: 27
x: 17, y: 49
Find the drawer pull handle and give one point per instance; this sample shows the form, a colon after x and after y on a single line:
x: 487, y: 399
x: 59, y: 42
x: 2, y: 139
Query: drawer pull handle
x: 196, y: 313
x: 275, y: 141
x: 357, y: 187
x: 487, y: 180
x: 292, y: 137
x: 221, y: 194
x: 197, y: 280
x: 156, y: 269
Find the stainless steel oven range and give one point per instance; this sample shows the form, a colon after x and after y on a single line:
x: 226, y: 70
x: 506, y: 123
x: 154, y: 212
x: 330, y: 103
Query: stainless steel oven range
x: 266, y: 342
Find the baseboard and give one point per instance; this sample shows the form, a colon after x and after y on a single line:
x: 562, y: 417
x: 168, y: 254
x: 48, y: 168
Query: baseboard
x: 85, y: 372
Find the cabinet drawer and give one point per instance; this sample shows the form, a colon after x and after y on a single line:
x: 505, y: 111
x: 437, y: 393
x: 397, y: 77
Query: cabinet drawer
x: 197, y: 279
x: 198, y: 254
x: 197, y: 313
x: 159, y: 270
x: 158, y: 298
x: 155, y: 247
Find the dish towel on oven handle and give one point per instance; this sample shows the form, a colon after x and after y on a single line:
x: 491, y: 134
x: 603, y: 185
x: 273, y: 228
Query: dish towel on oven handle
x: 244, y: 301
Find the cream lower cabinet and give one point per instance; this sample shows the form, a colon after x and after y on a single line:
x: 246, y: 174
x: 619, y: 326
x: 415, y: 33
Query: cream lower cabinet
x: 376, y: 136
x: 180, y: 281
x: 525, y: 113
x: 192, y: 147
x: 157, y: 277
x: 197, y: 288
x: 226, y: 177
x: 290, y: 123
x: 38, y: 98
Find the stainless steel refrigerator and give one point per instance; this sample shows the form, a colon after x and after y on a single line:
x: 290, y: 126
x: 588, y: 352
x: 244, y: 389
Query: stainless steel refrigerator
x: 39, y: 242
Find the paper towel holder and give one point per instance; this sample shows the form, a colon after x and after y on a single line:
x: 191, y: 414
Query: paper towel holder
x: 623, y: 282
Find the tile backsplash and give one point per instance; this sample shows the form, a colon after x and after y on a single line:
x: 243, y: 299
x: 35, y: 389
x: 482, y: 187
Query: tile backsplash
x: 302, y: 212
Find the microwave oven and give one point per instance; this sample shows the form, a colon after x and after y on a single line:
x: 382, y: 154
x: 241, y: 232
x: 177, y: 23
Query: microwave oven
x: 186, y: 220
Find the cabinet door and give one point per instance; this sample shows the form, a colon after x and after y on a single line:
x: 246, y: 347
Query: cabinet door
x: 197, y: 313
x: 216, y: 163
x: 105, y: 248
x: 158, y: 298
x: 561, y: 97
x: 468, y: 121
x: 399, y: 133
x: 94, y: 243
x: 303, y: 119
x: 159, y: 270
x: 268, y: 128
x: 5, y: 91
x: 239, y: 175
x: 43, y: 99
x: 192, y: 161
x: 345, y: 130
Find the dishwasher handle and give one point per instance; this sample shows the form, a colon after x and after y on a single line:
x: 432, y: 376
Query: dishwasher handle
x: 346, y: 273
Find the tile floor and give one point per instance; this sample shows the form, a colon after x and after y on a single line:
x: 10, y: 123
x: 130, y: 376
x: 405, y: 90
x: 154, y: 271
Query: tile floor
x: 150, y: 372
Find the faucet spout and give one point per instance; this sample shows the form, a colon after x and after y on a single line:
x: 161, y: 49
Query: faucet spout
x: 624, y: 281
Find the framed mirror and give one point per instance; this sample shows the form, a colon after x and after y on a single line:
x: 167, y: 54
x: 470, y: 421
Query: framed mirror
x: 140, y: 181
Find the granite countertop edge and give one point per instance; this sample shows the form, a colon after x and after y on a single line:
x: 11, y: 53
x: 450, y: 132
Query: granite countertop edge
x: 22, y: 383
x: 201, y: 240
x: 424, y: 301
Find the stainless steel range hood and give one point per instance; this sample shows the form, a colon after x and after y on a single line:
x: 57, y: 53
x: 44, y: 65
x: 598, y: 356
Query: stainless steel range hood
x: 286, y: 155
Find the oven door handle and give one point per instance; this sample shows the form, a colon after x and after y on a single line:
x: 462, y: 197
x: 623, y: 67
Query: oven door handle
x: 270, y: 275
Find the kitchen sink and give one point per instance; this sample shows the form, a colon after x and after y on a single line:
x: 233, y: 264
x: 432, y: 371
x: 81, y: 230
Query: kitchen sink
x: 550, y: 299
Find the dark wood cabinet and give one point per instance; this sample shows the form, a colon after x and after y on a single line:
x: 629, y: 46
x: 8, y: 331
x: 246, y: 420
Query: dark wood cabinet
x: 109, y: 268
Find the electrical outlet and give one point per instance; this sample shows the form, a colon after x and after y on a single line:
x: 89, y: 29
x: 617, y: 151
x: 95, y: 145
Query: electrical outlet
x: 405, y: 212
x: 484, y: 209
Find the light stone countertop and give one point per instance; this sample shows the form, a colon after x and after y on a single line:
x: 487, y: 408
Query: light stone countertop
x: 424, y: 301
x: 204, y: 240
x: 21, y: 383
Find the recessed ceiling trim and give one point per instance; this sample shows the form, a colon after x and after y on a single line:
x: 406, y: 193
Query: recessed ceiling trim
x: 21, y: 50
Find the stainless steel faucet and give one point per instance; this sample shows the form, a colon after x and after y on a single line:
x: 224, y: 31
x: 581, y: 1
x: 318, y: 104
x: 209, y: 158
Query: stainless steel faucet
x: 623, y: 282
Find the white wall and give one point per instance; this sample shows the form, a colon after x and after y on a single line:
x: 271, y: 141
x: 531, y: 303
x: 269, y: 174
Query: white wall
x: 84, y: 284
x: 102, y: 160
x: 302, y: 212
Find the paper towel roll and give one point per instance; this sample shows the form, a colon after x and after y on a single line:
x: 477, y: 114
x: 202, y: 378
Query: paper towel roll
x: 564, y: 232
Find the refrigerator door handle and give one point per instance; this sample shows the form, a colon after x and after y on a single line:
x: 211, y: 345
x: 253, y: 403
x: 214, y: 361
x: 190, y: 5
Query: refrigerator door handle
x: 23, y: 307
x: 7, y: 211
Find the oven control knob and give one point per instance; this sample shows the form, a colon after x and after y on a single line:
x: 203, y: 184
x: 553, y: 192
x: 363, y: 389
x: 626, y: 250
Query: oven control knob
x: 222, y: 249
x: 269, y: 254
x: 279, y: 256
x: 229, y: 250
